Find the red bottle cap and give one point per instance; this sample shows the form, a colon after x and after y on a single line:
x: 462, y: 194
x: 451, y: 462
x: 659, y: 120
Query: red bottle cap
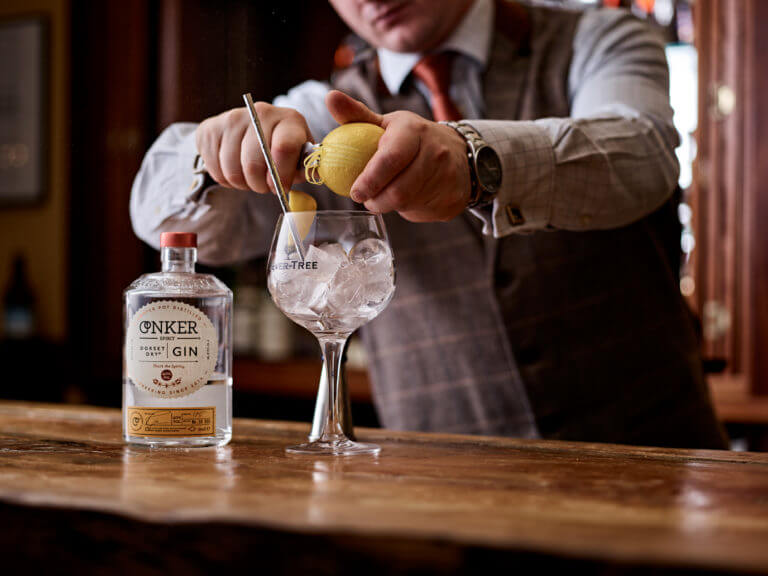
x: 178, y: 240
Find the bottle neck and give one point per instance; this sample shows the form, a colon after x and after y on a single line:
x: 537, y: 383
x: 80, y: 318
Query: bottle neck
x: 178, y: 259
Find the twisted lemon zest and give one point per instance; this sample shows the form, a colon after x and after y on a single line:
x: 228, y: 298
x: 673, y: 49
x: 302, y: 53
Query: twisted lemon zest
x: 311, y: 165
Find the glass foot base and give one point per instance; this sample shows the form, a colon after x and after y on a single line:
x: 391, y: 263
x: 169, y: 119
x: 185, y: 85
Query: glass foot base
x: 336, y: 448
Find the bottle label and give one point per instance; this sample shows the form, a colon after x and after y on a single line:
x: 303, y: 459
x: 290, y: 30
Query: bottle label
x: 171, y: 349
x: 171, y: 421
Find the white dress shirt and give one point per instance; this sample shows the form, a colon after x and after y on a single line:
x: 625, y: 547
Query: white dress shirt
x: 471, y: 40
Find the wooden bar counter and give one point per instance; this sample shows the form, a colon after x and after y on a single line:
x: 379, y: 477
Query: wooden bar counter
x: 74, y: 498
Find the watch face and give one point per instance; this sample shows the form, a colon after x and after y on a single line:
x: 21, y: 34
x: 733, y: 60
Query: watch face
x: 488, y: 169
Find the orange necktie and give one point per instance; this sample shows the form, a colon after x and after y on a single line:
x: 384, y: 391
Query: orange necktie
x: 434, y: 70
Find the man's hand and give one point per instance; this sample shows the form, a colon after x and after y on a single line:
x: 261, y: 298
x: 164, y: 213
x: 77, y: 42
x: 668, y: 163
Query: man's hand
x: 419, y: 170
x: 230, y: 149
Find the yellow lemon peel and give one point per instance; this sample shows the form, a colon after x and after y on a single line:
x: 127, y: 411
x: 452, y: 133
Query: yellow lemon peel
x: 303, y: 208
x: 301, y: 202
x: 342, y: 156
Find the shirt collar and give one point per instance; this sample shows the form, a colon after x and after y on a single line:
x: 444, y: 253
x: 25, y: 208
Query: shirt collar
x: 472, y: 37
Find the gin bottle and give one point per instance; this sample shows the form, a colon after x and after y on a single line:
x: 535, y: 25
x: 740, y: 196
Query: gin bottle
x: 177, y: 353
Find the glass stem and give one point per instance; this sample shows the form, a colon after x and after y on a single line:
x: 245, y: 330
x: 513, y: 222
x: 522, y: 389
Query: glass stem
x: 333, y: 348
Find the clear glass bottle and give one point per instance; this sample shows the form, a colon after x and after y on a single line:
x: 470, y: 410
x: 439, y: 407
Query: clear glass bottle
x: 177, y: 353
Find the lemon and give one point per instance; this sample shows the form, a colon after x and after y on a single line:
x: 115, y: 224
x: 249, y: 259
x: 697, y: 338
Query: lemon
x: 342, y: 156
x: 305, y: 206
x: 301, y: 202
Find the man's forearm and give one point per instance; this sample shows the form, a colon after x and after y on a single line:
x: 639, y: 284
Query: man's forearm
x: 578, y: 174
x: 166, y: 195
x: 232, y: 225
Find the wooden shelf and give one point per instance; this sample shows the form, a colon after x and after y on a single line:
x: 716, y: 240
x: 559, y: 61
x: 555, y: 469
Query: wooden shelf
x: 734, y: 402
x: 298, y: 378
x: 295, y: 378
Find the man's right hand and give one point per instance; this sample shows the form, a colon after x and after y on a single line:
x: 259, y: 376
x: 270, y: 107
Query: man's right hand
x: 230, y: 149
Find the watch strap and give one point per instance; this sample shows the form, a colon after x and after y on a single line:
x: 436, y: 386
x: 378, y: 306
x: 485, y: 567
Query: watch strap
x: 479, y: 196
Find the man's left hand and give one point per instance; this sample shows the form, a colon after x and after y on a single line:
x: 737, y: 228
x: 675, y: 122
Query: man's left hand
x: 419, y: 170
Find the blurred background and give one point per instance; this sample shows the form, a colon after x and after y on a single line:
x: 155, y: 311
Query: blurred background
x: 86, y: 86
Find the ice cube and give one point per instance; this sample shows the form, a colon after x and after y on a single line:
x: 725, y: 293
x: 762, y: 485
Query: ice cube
x: 374, y: 260
x: 288, y: 291
x: 302, y: 287
x: 300, y: 295
x: 317, y: 300
x: 348, y: 238
x: 328, y: 257
x: 280, y: 282
x: 345, y: 292
x: 370, y: 249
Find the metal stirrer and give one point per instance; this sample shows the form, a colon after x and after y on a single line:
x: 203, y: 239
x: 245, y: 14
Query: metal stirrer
x: 272, y: 167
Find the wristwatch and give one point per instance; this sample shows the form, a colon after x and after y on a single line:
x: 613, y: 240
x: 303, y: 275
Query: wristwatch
x: 201, y: 178
x: 484, y: 165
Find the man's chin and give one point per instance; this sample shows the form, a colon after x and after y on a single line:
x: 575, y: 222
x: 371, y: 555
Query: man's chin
x: 400, y: 41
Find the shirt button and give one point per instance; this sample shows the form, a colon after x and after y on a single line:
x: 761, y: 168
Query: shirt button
x: 586, y: 219
x: 514, y: 216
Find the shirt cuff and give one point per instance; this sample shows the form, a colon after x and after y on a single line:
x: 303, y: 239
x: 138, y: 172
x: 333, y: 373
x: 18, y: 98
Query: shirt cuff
x: 524, y: 201
x: 184, y: 192
x: 187, y: 152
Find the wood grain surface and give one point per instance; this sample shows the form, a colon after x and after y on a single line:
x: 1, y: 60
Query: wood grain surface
x: 442, y: 500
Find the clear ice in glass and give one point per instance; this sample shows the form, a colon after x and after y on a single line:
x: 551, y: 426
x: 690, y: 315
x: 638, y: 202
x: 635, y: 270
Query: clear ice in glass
x: 341, y: 286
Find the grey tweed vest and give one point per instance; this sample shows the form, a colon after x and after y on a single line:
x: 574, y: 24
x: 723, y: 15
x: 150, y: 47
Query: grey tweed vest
x: 569, y: 335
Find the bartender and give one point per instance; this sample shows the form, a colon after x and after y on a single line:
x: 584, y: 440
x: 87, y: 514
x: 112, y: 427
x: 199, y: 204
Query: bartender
x: 526, y: 174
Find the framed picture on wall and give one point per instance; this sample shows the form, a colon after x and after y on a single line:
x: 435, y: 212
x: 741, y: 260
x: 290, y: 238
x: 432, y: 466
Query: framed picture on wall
x: 23, y: 102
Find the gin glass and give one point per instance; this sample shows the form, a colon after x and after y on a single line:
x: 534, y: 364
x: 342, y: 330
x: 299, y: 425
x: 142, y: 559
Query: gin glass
x: 346, y: 279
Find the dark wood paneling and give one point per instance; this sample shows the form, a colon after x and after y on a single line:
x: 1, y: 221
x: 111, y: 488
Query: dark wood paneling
x: 756, y: 186
x: 138, y: 66
x: 730, y: 195
x: 213, y: 52
x: 112, y: 80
